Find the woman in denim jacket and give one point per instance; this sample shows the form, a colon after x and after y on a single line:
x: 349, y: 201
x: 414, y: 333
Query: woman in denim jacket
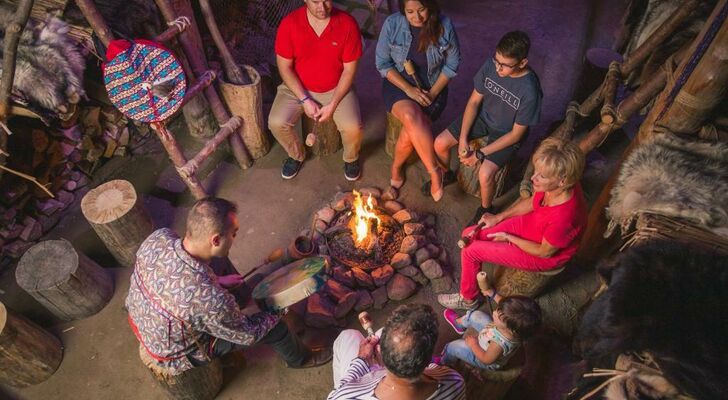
x: 421, y: 35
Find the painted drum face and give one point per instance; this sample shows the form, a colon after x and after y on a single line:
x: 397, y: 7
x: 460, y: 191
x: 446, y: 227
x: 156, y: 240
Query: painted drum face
x: 145, y: 82
x: 292, y: 283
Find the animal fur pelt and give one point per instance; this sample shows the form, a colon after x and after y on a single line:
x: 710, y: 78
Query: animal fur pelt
x: 128, y: 19
x: 49, y: 65
x: 668, y: 300
x: 675, y: 178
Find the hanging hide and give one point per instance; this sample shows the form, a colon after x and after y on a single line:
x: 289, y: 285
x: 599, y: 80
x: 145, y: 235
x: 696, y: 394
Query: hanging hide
x: 667, y: 299
x: 49, y: 66
x: 676, y: 178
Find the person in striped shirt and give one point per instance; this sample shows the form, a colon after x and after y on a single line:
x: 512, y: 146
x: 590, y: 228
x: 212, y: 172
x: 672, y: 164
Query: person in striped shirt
x: 397, y: 365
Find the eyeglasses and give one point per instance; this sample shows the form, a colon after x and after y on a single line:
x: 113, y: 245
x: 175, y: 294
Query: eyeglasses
x: 499, y: 65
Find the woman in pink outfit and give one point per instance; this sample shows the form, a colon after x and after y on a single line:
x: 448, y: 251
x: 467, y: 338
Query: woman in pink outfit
x: 539, y: 233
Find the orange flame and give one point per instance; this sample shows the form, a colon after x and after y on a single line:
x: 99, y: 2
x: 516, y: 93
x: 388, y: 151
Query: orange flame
x: 362, y: 219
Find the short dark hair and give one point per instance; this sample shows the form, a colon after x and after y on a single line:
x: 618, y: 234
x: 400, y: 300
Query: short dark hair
x: 514, y: 44
x: 209, y: 216
x: 408, y: 340
x: 521, y: 314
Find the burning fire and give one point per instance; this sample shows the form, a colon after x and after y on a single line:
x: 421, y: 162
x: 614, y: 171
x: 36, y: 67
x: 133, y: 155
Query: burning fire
x: 362, y: 219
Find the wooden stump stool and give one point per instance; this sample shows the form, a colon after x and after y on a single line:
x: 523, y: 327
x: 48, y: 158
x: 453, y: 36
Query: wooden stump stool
x: 199, y: 383
x: 246, y: 101
x: 328, y: 139
x: 28, y: 354
x: 66, y: 282
x: 511, y: 281
x: 119, y: 219
x: 468, y: 176
x: 394, y: 127
x: 491, y: 385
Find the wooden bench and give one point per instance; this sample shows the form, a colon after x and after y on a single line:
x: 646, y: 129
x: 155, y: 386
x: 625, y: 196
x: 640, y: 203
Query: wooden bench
x: 393, y: 129
x: 512, y: 281
x: 28, y: 354
x: 328, y: 138
x: 468, y: 176
x: 199, y: 383
x: 66, y: 282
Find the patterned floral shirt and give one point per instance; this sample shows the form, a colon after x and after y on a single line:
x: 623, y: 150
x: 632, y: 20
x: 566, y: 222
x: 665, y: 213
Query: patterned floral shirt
x: 176, y: 306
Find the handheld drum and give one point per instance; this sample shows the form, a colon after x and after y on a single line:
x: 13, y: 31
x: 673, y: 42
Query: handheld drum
x: 291, y: 283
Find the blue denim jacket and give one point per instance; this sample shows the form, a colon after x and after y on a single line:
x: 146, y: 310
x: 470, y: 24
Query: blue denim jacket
x: 395, y: 40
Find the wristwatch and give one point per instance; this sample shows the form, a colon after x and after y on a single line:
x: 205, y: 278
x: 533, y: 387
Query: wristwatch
x: 480, y: 155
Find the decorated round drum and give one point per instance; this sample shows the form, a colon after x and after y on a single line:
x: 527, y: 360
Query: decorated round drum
x: 144, y: 80
x: 292, y: 283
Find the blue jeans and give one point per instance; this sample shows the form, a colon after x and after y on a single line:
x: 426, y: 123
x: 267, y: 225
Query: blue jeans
x: 459, y: 350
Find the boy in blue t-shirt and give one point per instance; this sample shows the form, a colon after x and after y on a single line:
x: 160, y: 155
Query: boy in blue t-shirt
x: 505, y: 101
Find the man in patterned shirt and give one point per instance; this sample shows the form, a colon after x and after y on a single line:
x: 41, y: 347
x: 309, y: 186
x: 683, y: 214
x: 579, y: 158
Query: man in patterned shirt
x: 183, y: 314
x: 403, y: 370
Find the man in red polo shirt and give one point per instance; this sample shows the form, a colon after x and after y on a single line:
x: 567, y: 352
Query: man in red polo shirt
x: 317, y: 52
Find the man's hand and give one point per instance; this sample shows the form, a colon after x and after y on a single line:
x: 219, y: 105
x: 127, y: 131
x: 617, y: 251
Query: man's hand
x: 468, y: 160
x: 499, y: 236
x: 420, y: 96
x: 230, y: 281
x: 368, y: 349
x: 311, y: 108
x: 488, y: 220
x: 324, y: 113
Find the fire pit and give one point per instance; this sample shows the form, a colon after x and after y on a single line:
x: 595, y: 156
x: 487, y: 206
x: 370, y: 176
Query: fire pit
x: 379, y: 251
x: 364, y: 236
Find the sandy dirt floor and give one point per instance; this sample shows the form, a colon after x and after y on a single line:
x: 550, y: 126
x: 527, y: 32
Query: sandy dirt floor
x: 100, y: 353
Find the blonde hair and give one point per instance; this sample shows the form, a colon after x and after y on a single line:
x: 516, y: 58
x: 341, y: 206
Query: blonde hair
x: 562, y: 159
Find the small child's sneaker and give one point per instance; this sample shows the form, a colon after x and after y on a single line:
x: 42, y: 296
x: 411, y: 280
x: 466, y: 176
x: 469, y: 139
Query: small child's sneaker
x: 451, y: 318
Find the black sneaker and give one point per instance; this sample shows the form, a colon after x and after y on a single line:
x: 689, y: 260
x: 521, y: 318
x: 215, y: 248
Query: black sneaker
x: 448, y: 178
x: 479, y: 213
x: 352, y: 170
x: 290, y: 168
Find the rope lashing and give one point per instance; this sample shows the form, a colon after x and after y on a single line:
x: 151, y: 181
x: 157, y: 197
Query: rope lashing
x: 695, y: 58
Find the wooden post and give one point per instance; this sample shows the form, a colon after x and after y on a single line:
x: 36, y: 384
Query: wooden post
x: 328, y: 139
x: 233, y: 73
x: 630, y: 63
x: 13, y: 30
x: 119, y: 218
x: 594, y: 245
x: 28, y: 354
x: 66, y: 282
x: 199, y: 383
x: 246, y: 101
x: 561, y: 307
x: 192, y: 45
x: 496, y: 383
x: 189, y: 169
x: 178, y: 159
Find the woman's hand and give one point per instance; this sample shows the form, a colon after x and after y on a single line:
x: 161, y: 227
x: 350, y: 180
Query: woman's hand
x: 418, y: 95
x: 488, y: 220
x: 500, y: 237
x: 368, y: 349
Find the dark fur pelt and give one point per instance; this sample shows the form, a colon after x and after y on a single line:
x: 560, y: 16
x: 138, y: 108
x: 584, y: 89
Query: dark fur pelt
x: 669, y: 300
x: 675, y: 178
x: 49, y: 65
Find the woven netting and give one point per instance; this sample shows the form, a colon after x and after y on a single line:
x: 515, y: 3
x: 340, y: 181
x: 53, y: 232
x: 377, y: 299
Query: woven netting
x: 249, y: 27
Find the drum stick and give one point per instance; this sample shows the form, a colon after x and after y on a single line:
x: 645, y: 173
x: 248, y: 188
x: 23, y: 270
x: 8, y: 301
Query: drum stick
x: 410, y: 69
x: 311, y: 137
x: 465, y: 240
x: 366, y: 322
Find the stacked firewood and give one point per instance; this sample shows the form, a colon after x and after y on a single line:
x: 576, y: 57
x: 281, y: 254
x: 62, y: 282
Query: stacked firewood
x: 62, y: 160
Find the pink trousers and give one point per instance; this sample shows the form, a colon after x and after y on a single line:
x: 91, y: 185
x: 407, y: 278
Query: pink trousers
x: 483, y: 249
